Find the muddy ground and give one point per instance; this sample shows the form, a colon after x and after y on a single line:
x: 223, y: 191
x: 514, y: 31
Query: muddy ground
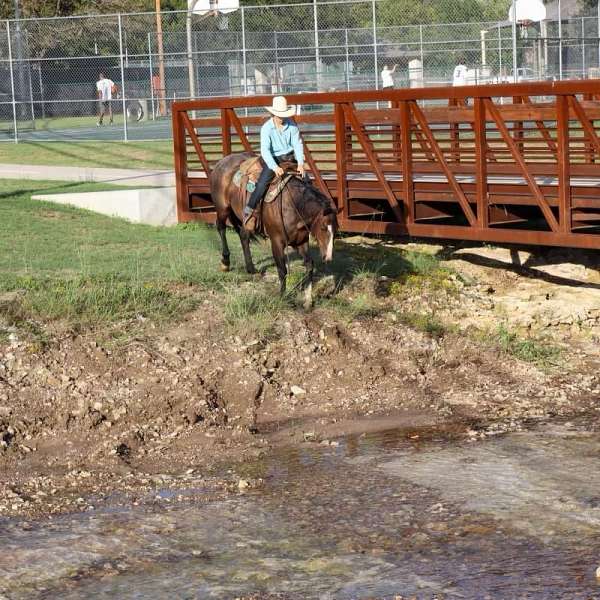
x: 85, y: 421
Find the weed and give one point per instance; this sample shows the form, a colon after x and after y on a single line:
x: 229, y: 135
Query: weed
x: 360, y: 306
x: 529, y: 350
x: 425, y: 322
x: 253, y: 313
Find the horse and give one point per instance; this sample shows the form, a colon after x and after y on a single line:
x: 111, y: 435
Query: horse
x: 299, y: 211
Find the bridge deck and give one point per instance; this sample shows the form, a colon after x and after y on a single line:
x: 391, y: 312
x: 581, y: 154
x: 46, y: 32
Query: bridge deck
x: 506, y: 163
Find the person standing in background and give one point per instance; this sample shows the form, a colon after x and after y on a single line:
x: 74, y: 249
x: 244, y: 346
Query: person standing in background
x: 387, y: 81
x: 104, y: 89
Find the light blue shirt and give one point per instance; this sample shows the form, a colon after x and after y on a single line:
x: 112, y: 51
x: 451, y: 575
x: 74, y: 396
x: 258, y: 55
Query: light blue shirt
x: 277, y: 142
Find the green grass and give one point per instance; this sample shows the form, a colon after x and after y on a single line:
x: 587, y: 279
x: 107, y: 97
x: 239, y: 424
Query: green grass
x: 535, y: 351
x: 58, y: 262
x: 253, y: 312
x: 130, y: 155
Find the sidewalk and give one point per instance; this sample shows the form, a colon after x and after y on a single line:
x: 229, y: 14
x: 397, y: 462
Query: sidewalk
x: 128, y: 177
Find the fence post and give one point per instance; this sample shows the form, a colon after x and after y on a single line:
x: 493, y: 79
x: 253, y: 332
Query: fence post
x: 499, y: 51
x: 560, y: 57
x: 123, y: 101
x: 151, y: 76
x: 347, y: 60
x: 12, y: 82
x: 421, y: 52
x: 375, y: 61
x: 244, y: 57
x: 583, y: 46
x: 317, y: 53
x: 515, y: 60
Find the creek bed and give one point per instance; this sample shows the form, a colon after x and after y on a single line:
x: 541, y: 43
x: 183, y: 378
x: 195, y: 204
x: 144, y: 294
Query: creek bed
x: 425, y: 514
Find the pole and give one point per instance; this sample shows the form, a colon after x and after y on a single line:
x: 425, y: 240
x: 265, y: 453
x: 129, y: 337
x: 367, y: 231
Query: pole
x: 123, y: 101
x: 317, y: 53
x: 161, y: 62
x: 277, y: 90
x: 499, y: 50
x: 190, y: 51
x: 421, y: 51
x: 20, y: 88
x: 151, y: 76
x: 244, y: 58
x: 30, y: 91
x: 598, y: 32
x: 583, y: 46
x: 560, y: 58
x: 515, y: 60
x: 375, y: 61
x: 41, y: 83
x: 347, y: 61
x: 12, y: 82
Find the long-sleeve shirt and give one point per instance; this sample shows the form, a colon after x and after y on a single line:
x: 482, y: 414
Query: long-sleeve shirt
x: 277, y: 142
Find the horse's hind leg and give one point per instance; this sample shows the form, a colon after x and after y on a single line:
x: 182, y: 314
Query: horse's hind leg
x: 307, y: 282
x: 245, y: 241
x: 222, y: 229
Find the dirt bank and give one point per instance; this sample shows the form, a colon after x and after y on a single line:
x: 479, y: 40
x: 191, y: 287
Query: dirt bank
x: 86, y: 420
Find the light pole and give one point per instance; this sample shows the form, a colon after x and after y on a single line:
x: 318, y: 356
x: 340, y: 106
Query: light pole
x: 213, y: 10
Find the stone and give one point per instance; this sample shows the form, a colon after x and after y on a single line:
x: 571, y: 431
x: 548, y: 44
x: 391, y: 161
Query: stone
x: 297, y: 390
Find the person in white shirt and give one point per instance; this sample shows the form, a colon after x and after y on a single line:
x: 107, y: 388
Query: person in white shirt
x: 104, y: 88
x: 387, y: 81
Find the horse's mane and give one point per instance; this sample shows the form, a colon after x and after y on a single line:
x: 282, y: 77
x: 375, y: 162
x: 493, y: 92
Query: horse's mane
x: 312, y: 195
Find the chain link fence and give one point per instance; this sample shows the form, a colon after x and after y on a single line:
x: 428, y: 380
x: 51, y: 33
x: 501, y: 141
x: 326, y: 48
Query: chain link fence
x: 49, y: 67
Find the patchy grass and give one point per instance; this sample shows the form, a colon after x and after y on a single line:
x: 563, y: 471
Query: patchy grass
x: 59, y: 262
x: 535, y: 351
x: 253, y: 313
x: 119, y: 155
x: 426, y: 322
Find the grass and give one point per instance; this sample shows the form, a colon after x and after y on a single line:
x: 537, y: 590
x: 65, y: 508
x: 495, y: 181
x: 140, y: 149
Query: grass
x: 130, y: 155
x: 531, y: 350
x: 253, y: 312
x: 61, y: 263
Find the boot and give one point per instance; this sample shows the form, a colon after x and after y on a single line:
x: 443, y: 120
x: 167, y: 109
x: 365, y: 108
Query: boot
x: 249, y: 219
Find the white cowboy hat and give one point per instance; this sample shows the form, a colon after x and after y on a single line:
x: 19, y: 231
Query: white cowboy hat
x: 281, y: 108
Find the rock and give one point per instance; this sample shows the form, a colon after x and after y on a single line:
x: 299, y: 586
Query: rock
x: 243, y: 484
x: 598, y: 573
x: 297, y: 390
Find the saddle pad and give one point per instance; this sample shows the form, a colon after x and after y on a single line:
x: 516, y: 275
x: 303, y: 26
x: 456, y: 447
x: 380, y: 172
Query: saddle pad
x: 237, y: 180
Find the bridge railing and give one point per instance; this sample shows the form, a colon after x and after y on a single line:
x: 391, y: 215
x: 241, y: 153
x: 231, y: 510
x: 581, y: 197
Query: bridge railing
x: 515, y: 163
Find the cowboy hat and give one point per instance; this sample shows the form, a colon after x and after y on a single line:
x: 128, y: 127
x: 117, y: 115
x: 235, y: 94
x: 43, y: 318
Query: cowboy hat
x: 281, y: 108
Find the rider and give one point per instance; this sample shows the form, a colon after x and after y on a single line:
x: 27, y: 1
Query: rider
x: 279, y: 142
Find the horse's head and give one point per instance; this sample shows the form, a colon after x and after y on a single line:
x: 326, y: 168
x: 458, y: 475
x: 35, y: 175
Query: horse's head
x: 323, y: 229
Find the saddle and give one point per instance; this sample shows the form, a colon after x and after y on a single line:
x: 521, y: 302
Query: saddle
x: 246, y: 177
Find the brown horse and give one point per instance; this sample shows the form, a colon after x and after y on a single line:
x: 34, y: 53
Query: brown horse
x: 298, y: 211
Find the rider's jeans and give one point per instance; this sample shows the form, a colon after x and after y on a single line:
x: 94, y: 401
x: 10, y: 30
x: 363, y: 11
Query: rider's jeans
x: 265, y: 179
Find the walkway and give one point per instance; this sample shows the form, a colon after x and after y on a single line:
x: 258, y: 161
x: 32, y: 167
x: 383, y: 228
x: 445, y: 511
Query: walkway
x: 127, y: 177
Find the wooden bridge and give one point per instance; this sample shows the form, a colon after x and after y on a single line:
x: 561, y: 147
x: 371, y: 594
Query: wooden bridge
x: 517, y: 163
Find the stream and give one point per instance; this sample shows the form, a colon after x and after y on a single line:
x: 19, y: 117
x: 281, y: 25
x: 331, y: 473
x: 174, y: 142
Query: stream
x: 422, y: 514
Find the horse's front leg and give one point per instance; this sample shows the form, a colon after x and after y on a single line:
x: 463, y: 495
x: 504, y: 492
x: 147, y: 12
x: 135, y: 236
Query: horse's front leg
x: 307, y: 282
x: 278, y: 248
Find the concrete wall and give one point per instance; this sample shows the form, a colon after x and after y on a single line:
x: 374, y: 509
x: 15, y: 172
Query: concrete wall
x: 156, y: 206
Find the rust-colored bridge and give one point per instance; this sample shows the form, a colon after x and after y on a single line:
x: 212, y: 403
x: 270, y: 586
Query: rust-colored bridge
x: 516, y: 163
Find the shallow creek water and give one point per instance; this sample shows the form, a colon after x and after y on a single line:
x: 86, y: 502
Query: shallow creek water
x: 424, y: 514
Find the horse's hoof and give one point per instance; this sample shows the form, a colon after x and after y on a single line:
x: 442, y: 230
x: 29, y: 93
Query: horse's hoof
x: 225, y: 268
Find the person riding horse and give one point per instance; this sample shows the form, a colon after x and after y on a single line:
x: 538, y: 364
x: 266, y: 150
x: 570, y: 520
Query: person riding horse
x: 280, y: 143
